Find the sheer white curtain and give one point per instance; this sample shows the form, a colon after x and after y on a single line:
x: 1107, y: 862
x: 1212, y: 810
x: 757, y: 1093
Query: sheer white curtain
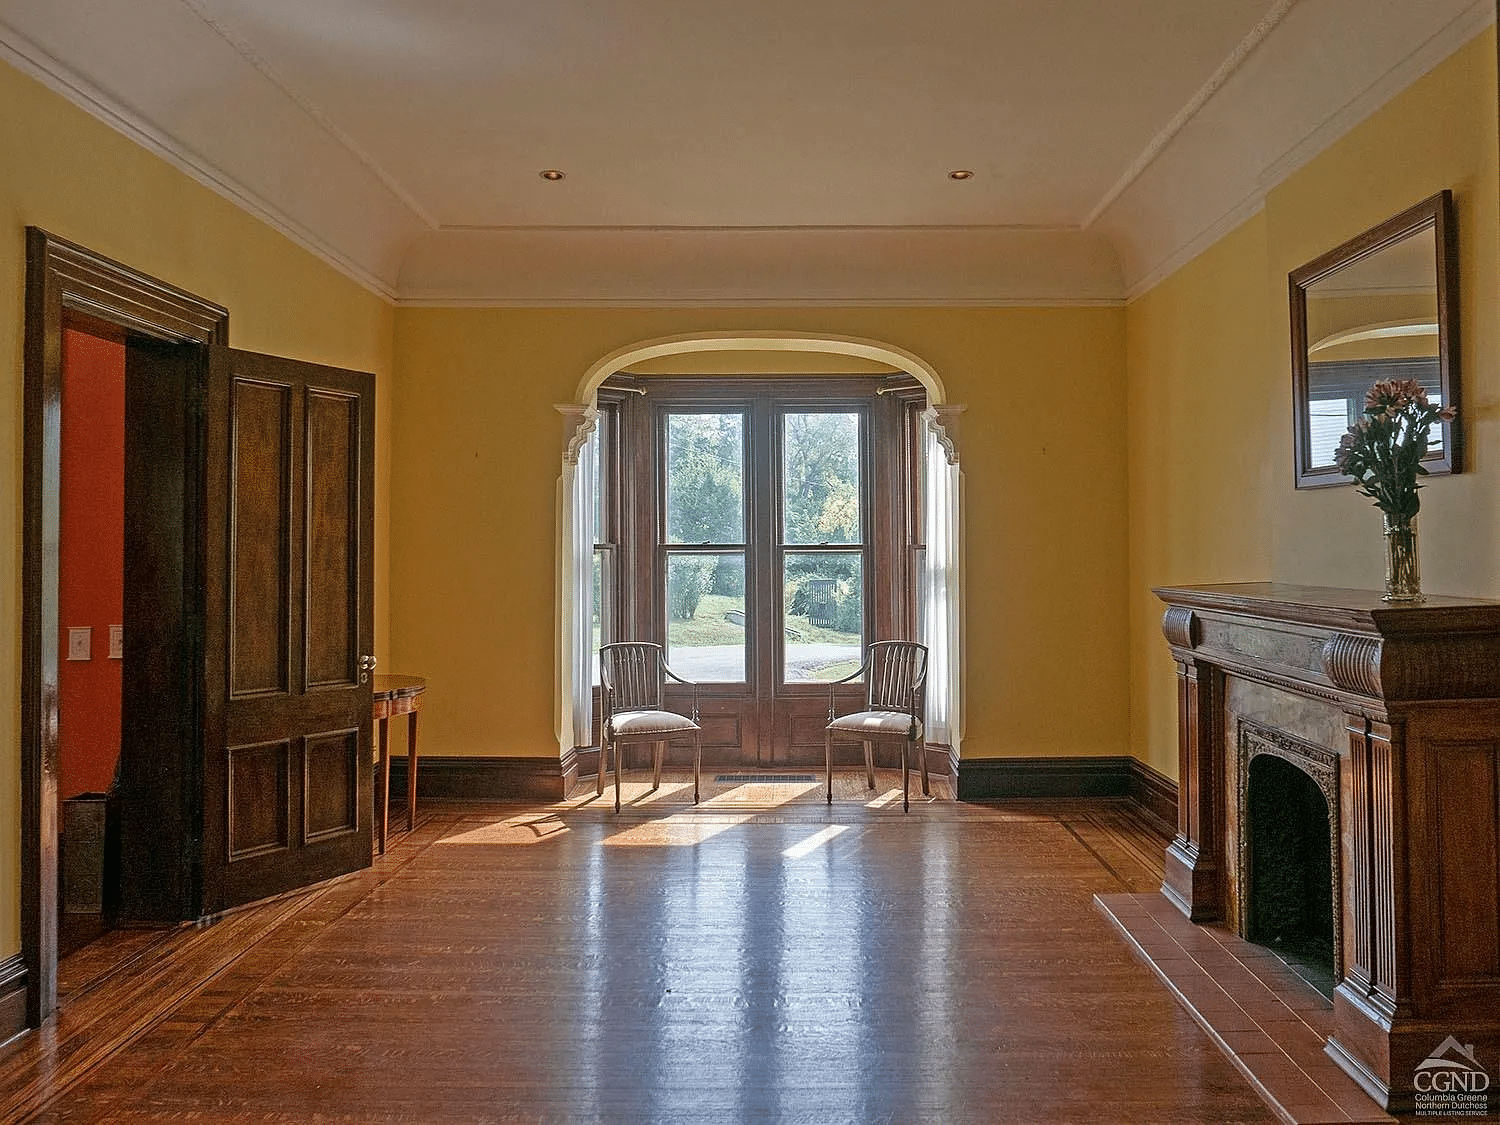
x: 941, y: 585
x: 579, y: 487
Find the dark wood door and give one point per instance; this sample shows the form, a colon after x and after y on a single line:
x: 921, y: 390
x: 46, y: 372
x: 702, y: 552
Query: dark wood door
x: 288, y: 589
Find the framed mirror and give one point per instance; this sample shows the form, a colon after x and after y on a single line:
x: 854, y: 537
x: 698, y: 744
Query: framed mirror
x: 1384, y: 305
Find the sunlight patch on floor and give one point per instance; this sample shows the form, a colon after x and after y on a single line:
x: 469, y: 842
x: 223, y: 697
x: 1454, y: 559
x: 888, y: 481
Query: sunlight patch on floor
x: 532, y: 828
x: 765, y: 794
x: 677, y: 830
x: 817, y: 840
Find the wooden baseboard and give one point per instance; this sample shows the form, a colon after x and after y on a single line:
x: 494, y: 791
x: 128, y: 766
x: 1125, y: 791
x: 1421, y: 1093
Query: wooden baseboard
x: 988, y: 778
x: 514, y: 779
x: 978, y: 779
x: 1155, y: 793
x: 12, y: 997
x: 1116, y: 776
x: 584, y: 762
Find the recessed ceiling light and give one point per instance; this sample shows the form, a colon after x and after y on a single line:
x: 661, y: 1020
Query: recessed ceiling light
x: 960, y: 174
x: 552, y: 174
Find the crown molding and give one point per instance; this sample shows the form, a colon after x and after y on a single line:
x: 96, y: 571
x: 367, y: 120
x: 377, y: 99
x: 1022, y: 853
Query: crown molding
x: 296, y: 97
x: 438, y: 301
x: 1171, y: 254
x: 1474, y: 19
x: 32, y: 61
x: 1243, y: 50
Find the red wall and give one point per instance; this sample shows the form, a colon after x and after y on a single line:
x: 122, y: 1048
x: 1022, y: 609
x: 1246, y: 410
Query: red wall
x: 91, y: 563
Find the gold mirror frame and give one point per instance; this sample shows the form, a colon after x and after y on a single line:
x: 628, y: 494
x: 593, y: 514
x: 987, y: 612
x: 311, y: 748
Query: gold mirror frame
x: 1434, y: 214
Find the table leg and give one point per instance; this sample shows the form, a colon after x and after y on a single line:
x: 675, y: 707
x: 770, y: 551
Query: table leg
x: 411, y: 771
x: 384, y: 811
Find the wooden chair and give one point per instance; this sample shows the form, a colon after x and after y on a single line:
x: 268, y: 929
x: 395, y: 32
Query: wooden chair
x: 632, y: 675
x: 895, y: 673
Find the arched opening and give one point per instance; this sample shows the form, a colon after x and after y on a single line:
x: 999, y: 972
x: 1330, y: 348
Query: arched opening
x: 940, y: 588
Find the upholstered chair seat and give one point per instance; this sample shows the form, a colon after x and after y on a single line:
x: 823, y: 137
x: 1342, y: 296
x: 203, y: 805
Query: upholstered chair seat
x: 633, y: 724
x: 889, y: 724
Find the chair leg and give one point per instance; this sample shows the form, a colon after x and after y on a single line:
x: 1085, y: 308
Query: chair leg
x: 603, y: 765
x: 618, y: 756
x: 697, y: 762
x: 905, y: 777
x: 828, y: 762
x: 661, y: 752
x: 869, y: 765
x: 920, y: 749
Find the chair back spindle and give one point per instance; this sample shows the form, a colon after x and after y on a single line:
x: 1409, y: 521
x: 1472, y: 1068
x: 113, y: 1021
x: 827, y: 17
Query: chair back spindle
x: 897, y: 671
x: 631, y: 672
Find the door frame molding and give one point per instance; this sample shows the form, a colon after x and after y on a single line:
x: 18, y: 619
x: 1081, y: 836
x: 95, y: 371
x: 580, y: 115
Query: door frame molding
x: 65, y: 281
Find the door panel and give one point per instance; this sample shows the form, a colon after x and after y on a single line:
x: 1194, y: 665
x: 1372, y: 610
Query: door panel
x: 289, y: 522
x: 260, y: 799
x: 331, y: 631
x: 260, y: 521
x: 330, y: 794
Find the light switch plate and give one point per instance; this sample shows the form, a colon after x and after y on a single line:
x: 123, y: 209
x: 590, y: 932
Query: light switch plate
x: 117, y: 642
x: 80, y: 642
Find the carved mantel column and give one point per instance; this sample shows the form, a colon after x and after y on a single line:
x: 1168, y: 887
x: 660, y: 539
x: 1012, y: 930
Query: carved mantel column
x: 1194, y: 858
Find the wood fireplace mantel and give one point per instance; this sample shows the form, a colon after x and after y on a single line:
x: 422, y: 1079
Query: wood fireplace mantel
x: 1405, y: 701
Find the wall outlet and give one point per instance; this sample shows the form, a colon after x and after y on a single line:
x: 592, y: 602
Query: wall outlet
x: 81, y: 642
x: 117, y: 642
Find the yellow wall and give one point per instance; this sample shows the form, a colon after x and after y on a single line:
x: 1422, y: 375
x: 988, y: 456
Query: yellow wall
x: 1208, y: 362
x: 72, y: 176
x: 478, y: 451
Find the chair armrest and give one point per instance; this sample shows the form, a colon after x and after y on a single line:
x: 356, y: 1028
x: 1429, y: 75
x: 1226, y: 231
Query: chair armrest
x: 854, y: 675
x: 690, y: 683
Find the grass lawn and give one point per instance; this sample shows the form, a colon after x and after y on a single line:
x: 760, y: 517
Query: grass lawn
x: 711, y: 626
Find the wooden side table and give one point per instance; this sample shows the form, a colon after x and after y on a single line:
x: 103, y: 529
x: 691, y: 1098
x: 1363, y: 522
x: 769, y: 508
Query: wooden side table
x: 397, y: 695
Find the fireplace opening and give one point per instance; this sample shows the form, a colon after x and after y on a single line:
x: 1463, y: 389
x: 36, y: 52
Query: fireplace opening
x: 1290, y: 869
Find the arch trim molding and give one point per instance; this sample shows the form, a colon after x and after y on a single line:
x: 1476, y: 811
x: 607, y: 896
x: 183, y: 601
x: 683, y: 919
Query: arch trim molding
x: 764, y: 341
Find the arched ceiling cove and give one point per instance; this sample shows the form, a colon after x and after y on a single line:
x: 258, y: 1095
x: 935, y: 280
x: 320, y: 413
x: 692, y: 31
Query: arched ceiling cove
x: 734, y: 153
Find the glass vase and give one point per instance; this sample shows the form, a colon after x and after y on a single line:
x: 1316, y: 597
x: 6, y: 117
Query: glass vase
x: 1403, y: 574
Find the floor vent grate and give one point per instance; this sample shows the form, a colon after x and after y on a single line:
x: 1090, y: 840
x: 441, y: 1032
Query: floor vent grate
x: 764, y: 778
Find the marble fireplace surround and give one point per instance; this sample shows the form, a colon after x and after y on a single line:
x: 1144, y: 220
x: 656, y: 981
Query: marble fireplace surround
x: 1396, y: 710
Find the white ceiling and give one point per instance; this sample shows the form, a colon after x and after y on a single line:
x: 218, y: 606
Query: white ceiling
x: 739, y: 152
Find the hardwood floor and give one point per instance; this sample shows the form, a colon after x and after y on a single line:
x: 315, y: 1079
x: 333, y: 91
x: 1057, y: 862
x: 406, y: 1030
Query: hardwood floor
x: 765, y: 957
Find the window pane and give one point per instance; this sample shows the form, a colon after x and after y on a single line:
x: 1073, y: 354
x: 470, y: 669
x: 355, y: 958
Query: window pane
x: 1435, y: 431
x: 603, y: 602
x: 705, y: 478
x: 820, y: 479
x: 823, y: 627
x: 1328, y: 420
x: 601, y: 481
x: 706, y: 616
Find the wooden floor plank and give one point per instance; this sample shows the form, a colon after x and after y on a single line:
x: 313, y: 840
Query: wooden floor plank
x: 763, y: 957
